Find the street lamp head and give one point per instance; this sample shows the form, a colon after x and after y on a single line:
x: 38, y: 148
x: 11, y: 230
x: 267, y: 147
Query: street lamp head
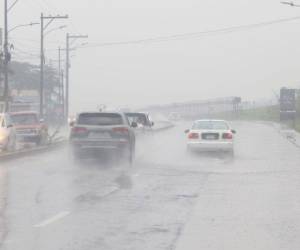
x: 63, y: 26
x: 288, y: 3
x: 22, y: 25
x: 57, y: 28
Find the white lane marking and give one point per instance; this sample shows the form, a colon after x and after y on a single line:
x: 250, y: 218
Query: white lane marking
x: 53, y: 219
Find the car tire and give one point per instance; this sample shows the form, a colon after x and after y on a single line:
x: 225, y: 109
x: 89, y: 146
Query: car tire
x: 189, y: 151
x: 130, y: 155
x: 42, y: 140
x: 38, y: 141
x: 231, y: 153
x: 11, y: 145
x: 5, y: 148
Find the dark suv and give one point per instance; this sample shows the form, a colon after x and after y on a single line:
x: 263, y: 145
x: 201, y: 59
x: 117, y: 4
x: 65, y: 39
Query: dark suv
x: 141, y: 120
x: 102, y: 131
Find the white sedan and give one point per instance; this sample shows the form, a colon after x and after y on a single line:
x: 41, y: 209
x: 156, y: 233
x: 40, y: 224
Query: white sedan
x: 7, y: 133
x: 210, y: 135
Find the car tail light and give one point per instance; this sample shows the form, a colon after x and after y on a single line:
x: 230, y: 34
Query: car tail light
x: 227, y: 136
x: 193, y: 136
x: 79, y: 130
x: 122, y: 130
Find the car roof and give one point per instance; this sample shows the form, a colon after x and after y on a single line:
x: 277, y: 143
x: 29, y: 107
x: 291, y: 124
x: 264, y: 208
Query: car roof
x: 24, y: 112
x: 139, y: 113
x: 98, y: 112
x: 210, y: 120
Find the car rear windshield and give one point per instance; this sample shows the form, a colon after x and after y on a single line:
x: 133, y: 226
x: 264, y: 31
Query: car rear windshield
x: 100, y: 119
x: 24, y: 119
x: 211, y: 125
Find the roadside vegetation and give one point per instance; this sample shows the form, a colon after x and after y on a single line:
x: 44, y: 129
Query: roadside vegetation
x: 270, y: 113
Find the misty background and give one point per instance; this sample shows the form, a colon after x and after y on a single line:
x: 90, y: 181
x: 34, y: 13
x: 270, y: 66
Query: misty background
x: 251, y: 63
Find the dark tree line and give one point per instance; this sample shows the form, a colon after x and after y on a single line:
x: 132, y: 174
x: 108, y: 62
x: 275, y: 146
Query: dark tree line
x: 26, y: 76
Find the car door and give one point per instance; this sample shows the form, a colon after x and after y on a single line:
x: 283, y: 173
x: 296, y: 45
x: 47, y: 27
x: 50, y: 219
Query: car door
x: 9, y: 127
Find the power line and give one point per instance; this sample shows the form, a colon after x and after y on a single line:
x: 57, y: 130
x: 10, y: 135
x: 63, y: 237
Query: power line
x: 194, y: 35
x: 50, y: 5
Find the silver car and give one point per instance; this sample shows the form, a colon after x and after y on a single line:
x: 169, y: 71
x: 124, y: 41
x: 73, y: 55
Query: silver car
x: 141, y: 120
x: 102, y: 132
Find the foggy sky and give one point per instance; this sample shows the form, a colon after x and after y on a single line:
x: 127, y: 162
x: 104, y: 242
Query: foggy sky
x: 251, y: 64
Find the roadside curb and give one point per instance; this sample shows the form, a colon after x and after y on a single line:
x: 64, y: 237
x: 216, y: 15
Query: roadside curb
x: 168, y: 125
x: 32, y: 151
x: 290, y: 134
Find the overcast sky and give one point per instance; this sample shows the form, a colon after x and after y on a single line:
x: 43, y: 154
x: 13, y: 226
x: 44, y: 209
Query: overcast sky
x: 251, y: 63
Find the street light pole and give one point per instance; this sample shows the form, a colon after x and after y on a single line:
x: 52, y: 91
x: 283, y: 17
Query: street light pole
x: 61, y: 85
x: 59, y: 78
x: 68, y: 68
x: 6, y: 59
x: 42, y: 69
x: 63, y: 95
x: 42, y: 56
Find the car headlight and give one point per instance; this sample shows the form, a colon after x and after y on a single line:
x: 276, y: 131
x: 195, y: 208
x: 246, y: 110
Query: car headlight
x: 2, y: 137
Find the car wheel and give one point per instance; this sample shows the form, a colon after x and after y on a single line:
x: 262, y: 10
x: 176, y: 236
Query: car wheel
x: 189, y: 151
x: 11, y: 145
x: 129, y: 155
x: 5, y: 148
x: 42, y: 140
x: 38, y: 141
x: 231, y: 153
x: 14, y: 145
x: 77, y: 155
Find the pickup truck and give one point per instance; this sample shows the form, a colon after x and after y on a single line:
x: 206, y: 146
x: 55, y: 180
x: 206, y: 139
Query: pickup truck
x: 29, y: 128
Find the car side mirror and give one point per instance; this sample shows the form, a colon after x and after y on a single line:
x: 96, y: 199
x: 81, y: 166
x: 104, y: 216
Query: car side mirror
x: 152, y: 124
x: 134, y: 125
x: 186, y: 131
x: 233, y: 131
x: 72, y: 123
x: 10, y: 126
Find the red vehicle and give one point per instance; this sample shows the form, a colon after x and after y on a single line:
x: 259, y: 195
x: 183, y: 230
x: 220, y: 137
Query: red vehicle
x: 29, y: 128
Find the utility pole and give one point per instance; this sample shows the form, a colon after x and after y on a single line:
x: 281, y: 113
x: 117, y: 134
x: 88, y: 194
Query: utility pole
x: 42, y: 69
x: 42, y: 56
x: 6, y: 59
x: 68, y: 68
x: 59, y: 77
x: 63, y: 95
x: 61, y: 84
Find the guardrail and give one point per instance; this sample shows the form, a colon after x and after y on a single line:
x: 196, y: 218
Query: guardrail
x: 162, y: 125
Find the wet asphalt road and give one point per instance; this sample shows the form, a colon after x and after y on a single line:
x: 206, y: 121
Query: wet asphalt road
x: 167, y: 200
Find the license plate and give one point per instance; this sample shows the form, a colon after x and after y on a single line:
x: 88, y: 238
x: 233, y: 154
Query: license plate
x: 210, y: 137
x: 99, y: 135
